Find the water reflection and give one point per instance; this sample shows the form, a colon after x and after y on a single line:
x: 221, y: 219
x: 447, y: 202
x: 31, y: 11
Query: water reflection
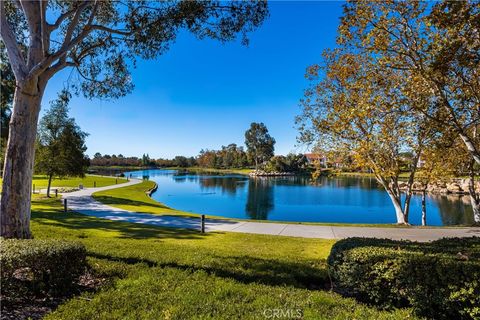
x: 259, y: 199
x: 329, y: 199
x: 454, y: 209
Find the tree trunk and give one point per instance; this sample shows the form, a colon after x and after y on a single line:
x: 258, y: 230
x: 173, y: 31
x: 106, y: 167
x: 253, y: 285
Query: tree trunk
x: 18, y: 166
x: 408, y: 198
x: 397, y: 204
x: 474, y: 197
x: 476, y: 209
x: 424, y: 208
x: 49, y: 184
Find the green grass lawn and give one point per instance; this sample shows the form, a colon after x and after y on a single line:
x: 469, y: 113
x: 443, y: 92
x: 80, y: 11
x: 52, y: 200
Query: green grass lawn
x: 87, y: 181
x: 41, y: 181
x: 161, y: 273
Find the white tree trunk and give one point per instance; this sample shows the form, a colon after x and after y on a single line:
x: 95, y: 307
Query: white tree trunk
x: 18, y: 166
x: 474, y: 196
x: 397, y: 204
x: 424, y: 208
x: 476, y: 209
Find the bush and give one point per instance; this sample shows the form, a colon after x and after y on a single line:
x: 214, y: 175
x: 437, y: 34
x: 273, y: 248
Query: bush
x: 40, y: 266
x: 439, y: 280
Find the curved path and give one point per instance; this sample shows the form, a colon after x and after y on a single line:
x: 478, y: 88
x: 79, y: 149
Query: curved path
x: 82, y: 202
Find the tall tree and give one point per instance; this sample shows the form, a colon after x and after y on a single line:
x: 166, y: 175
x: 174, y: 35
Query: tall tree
x: 354, y: 105
x: 100, y: 40
x: 437, y: 47
x: 260, y: 145
x: 60, y: 148
x: 7, y: 88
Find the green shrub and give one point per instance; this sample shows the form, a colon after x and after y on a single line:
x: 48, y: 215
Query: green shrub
x: 40, y: 266
x: 439, y: 280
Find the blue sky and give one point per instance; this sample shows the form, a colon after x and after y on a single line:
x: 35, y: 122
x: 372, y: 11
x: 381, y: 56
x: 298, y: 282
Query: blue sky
x: 204, y: 94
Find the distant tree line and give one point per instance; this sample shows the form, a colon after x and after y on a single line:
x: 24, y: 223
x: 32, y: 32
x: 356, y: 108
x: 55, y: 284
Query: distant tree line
x: 231, y: 156
x: 120, y: 160
x: 259, y: 154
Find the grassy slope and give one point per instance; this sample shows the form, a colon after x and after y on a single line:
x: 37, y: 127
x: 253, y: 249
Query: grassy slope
x: 160, y: 273
x: 134, y: 198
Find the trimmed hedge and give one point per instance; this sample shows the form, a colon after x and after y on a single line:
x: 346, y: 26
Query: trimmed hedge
x: 40, y: 266
x: 439, y: 280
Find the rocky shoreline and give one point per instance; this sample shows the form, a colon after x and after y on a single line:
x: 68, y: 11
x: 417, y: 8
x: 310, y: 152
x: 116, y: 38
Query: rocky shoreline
x: 261, y: 173
x: 456, y: 186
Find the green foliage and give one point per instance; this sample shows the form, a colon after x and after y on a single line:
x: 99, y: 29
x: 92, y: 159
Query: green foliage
x: 290, y: 163
x: 60, y: 148
x: 183, y: 162
x: 260, y: 145
x: 7, y: 89
x: 40, y: 266
x: 230, y: 156
x: 439, y: 280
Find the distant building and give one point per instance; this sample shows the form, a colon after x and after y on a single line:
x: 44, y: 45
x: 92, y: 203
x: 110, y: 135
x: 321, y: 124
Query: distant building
x: 420, y: 162
x: 312, y: 158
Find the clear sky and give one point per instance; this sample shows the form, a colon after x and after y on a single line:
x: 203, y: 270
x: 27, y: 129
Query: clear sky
x: 204, y: 94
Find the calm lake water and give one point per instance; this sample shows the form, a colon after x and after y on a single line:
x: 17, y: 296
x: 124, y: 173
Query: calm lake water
x: 338, y: 199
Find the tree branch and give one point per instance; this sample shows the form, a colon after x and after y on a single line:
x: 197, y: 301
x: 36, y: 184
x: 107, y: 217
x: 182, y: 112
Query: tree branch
x: 60, y: 19
x: 45, y: 32
x: 15, y: 55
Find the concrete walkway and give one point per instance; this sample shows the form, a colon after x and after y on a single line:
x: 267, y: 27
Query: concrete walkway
x: 82, y: 202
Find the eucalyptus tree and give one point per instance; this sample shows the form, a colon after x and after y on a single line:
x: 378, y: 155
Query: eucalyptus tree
x: 100, y: 40
x: 260, y: 144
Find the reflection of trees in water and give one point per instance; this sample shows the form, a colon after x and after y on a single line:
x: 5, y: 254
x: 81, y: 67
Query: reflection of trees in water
x: 454, y: 209
x: 259, y: 199
x: 228, y: 185
x: 334, y: 182
x: 224, y: 183
x: 350, y: 182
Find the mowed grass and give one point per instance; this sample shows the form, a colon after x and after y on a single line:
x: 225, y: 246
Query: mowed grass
x: 135, y: 198
x: 41, y: 181
x: 162, y: 273
x: 88, y: 181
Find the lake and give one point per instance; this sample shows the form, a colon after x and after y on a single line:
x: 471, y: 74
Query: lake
x: 330, y: 199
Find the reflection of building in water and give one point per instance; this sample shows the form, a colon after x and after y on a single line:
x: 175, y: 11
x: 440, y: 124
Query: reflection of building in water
x: 259, y: 199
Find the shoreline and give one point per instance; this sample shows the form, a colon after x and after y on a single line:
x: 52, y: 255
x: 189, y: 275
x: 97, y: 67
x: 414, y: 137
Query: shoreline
x: 193, y: 215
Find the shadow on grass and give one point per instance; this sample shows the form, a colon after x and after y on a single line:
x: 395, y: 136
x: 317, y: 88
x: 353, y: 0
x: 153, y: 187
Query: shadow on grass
x: 109, y: 200
x: 79, y: 222
x: 245, y: 269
